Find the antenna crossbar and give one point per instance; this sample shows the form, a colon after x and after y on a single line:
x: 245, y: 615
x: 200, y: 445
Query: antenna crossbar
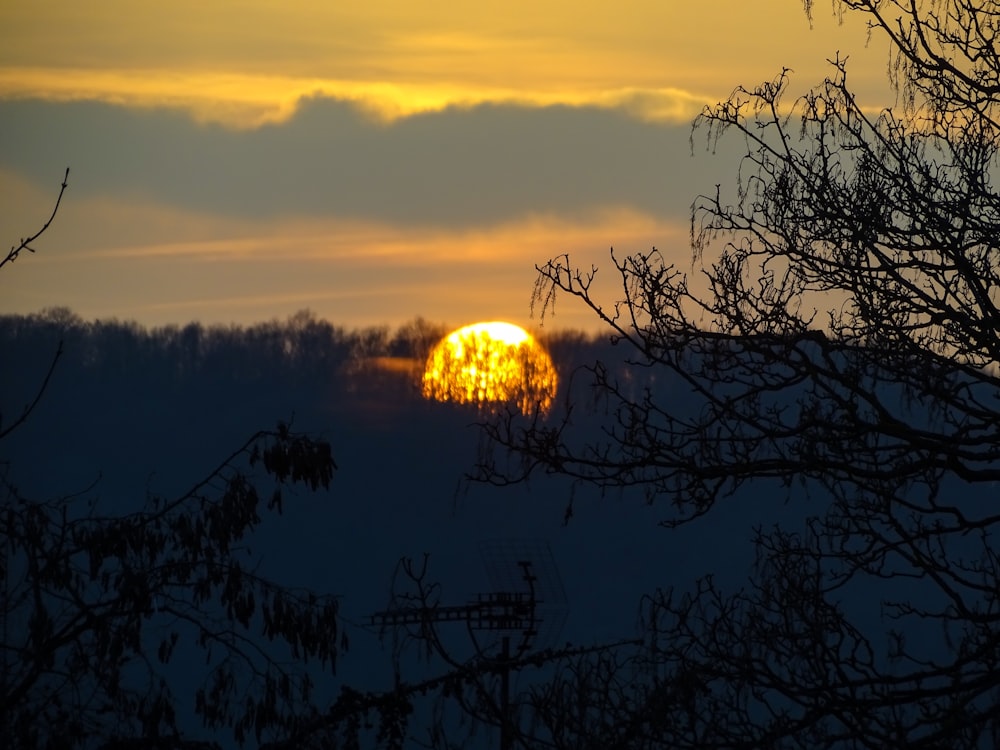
x: 496, y: 610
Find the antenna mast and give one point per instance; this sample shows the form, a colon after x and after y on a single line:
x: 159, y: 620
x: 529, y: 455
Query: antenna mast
x: 526, y: 593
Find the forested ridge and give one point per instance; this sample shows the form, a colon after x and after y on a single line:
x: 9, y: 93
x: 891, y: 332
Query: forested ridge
x: 302, y: 351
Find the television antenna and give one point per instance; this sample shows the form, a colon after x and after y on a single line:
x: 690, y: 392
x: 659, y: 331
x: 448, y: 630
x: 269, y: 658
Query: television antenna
x: 525, y: 608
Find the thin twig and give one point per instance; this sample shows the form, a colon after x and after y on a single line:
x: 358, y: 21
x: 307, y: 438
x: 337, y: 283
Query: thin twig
x: 25, y: 243
x: 38, y: 396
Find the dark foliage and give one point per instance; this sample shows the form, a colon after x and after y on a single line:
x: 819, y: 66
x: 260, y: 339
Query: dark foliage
x: 105, y: 601
x: 95, y: 606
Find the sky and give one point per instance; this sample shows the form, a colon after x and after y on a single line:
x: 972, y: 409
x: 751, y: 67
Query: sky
x: 235, y: 162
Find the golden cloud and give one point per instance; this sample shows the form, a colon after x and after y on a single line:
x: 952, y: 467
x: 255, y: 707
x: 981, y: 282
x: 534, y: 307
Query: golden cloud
x: 242, y: 101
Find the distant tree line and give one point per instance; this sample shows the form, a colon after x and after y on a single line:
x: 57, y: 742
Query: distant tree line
x: 300, y: 351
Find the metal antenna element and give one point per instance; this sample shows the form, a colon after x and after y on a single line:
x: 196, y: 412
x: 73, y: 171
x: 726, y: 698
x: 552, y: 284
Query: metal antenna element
x: 526, y: 569
x: 526, y: 594
x: 525, y: 607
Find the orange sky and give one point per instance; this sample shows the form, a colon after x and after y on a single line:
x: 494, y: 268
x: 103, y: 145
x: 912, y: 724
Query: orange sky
x: 371, y: 161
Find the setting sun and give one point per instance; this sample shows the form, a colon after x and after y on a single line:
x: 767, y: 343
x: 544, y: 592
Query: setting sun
x: 488, y: 363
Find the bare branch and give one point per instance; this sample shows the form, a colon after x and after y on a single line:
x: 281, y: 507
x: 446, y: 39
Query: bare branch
x: 25, y: 243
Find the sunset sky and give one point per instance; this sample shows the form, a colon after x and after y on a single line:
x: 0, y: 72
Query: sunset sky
x: 240, y: 161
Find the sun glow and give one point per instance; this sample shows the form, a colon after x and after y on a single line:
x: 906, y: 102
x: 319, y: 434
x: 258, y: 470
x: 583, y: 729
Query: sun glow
x: 490, y: 363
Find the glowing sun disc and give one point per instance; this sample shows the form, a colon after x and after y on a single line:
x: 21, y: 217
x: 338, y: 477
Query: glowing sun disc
x: 492, y: 362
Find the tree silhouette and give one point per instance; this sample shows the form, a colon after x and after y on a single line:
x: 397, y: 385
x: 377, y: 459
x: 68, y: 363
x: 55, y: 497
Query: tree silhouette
x: 102, y: 615
x: 840, y: 346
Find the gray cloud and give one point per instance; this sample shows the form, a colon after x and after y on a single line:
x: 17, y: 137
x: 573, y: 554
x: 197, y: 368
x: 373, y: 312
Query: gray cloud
x: 458, y: 167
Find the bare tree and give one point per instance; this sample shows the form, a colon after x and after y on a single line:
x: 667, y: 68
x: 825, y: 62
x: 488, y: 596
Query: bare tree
x: 845, y: 349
